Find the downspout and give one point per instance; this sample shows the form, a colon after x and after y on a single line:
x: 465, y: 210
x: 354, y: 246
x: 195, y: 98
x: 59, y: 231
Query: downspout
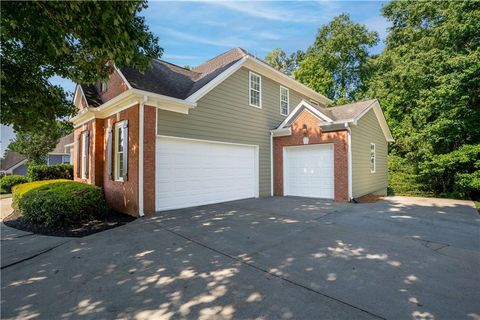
x: 350, y: 180
x: 271, y: 163
x: 141, y: 126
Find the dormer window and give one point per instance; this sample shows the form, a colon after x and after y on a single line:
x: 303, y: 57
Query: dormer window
x: 103, y: 86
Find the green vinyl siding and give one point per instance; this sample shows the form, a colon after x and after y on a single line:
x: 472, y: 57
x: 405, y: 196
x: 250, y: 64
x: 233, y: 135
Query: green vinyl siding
x: 224, y: 114
x: 368, y: 131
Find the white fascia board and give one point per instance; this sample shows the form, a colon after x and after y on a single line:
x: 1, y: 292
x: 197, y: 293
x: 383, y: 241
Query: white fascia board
x: 216, y: 81
x: 15, y: 166
x: 262, y: 67
x: 310, y: 108
x: 283, y: 132
x: 78, y: 94
x: 375, y: 105
x: 129, y: 86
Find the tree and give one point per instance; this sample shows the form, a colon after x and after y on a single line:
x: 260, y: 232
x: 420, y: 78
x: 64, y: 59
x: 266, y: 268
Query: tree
x: 71, y: 39
x: 427, y: 82
x: 337, y: 62
x: 35, y: 146
x: 279, y: 60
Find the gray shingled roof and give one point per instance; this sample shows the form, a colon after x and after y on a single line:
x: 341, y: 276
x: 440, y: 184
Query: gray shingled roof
x: 10, y: 159
x: 60, y: 147
x: 339, y: 113
x: 171, y: 80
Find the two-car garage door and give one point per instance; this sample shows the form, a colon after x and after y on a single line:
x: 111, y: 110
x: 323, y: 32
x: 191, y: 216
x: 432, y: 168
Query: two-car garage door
x: 191, y: 172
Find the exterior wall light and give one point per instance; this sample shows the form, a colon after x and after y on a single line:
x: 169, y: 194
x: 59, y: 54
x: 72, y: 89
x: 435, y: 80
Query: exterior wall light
x: 305, y: 134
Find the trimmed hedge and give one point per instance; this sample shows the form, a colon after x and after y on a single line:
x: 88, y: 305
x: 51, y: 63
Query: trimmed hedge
x: 56, y: 203
x: 8, y: 182
x: 44, y: 172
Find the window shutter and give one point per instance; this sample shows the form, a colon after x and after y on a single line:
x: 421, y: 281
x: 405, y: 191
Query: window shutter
x: 109, y: 152
x: 87, y: 153
x: 79, y: 155
x: 125, y: 150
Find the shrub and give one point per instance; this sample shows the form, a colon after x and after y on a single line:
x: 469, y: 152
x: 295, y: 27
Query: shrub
x: 7, y: 182
x: 44, y: 172
x: 56, y: 203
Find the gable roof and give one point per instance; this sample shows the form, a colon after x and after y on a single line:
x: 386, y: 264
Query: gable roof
x: 10, y: 159
x: 171, y: 80
x: 338, y: 117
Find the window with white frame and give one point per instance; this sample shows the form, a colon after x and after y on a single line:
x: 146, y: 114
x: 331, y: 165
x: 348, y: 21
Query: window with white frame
x: 104, y: 85
x: 84, y: 154
x: 373, y: 160
x: 121, y: 151
x: 284, y: 101
x: 255, y: 85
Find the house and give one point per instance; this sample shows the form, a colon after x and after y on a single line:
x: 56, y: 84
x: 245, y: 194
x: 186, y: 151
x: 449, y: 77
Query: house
x: 15, y: 163
x: 231, y: 128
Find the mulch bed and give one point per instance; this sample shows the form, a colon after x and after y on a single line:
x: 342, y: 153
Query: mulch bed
x: 112, y: 220
x: 369, y: 198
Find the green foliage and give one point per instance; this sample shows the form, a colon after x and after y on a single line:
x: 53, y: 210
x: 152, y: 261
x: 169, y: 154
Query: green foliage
x: 35, y: 145
x: 278, y: 59
x: 44, y: 172
x: 337, y: 62
x: 457, y: 172
x: 70, y: 39
x: 403, y: 179
x: 57, y: 203
x: 427, y: 82
x: 8, y: 182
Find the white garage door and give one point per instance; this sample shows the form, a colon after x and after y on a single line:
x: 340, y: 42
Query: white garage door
x: 191, y: 173
x: 308, y: 171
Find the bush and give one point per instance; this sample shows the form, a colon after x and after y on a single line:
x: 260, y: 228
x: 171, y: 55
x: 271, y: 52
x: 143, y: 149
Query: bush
x: 7, y: 182
x: 44, y: 172
x: 56, y: 203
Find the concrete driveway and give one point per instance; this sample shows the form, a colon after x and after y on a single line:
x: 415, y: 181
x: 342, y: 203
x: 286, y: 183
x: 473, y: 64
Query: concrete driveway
x: 274, y: 258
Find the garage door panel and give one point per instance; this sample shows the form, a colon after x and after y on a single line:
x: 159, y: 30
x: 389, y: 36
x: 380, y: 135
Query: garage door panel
x: 191, y: 173
x: 308, y: 171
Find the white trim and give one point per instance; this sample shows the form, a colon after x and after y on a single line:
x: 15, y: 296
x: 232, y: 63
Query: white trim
x: 129, y: 86
x: 309, y: 107
x: 283, y: 132
x: 141, y: 127
x: 118, y: 125
x: 15, y: 166
x: 216, y: 81
x: 288, y: 101
x: 350, y: 164
x: 250, y: 73
x: 374, y: 158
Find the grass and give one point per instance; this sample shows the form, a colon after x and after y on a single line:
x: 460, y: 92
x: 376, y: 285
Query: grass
x: 5, y: 195
x: 477, y: 205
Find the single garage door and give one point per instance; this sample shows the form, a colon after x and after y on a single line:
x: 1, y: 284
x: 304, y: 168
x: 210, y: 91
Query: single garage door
x: 191, y: 172
x: 308, y: 171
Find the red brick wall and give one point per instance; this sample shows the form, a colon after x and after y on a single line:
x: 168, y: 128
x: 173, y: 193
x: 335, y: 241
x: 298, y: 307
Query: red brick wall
x: 149, y: 138
x: 116, y: 85
x: 123, y: 196
x: 339, y: 140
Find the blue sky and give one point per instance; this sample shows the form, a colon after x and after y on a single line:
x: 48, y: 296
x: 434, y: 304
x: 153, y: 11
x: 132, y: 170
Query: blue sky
x: 193, y: 32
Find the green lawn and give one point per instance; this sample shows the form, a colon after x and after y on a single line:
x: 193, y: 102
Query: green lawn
x: 477, y: 205
x: 5, y: 195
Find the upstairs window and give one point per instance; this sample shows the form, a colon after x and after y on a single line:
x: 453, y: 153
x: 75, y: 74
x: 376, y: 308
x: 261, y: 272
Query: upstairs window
x: 255, y: 86
x: 373, y: 164
x: 284, y: 101
x: 104, y: 85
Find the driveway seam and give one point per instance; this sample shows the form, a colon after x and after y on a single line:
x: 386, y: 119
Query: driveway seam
x: 33, y: 256
x: 270, y: 273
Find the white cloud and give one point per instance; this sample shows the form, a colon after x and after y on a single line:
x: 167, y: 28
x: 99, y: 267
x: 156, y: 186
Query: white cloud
x: 179, y: 56
x: 221, y: 41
